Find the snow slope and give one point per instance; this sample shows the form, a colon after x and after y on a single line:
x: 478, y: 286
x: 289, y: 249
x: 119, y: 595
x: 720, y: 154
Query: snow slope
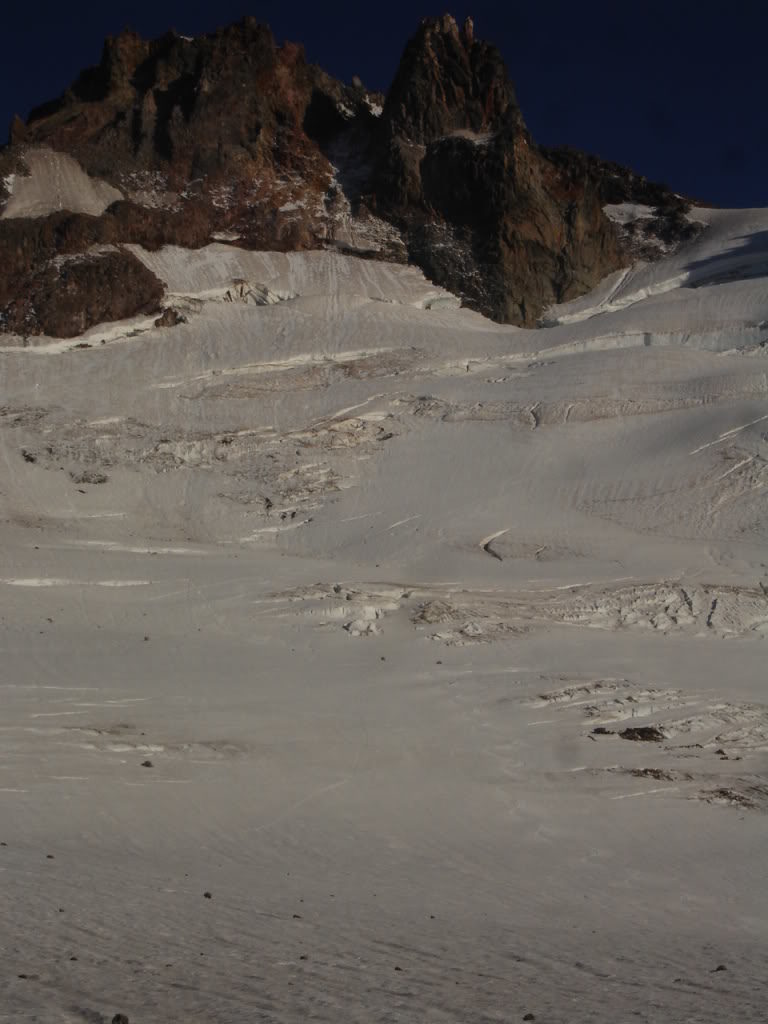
x: 334, y: 603
x: 55, y: 182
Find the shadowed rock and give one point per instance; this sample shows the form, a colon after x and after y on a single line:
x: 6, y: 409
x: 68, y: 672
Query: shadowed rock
x: 643, y: 733
x: 230, y: 136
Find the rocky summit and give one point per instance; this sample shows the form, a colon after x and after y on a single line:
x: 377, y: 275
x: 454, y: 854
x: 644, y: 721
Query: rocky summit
x: 364, y: 659
x: 231, y: 138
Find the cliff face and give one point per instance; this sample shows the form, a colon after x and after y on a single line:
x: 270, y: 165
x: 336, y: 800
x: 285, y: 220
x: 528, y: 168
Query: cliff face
x: 483, y: 210
x: 230, y: 137
x: 216, y: 121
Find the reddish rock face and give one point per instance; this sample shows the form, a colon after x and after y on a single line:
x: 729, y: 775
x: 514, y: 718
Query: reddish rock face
x: 55, y: 280
x: 66, y: 297
x: 217, y: 121
x: 231, y: 135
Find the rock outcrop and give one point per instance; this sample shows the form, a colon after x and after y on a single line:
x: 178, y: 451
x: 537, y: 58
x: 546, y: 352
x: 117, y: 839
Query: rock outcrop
x: 230, y: 137
x: 664, y: 224
x: 222, y: 121
x: 67, y: 295
x: 483, y: 210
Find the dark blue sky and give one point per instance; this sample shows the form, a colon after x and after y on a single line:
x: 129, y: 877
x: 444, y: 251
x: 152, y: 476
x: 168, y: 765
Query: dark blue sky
x: 676, y: 90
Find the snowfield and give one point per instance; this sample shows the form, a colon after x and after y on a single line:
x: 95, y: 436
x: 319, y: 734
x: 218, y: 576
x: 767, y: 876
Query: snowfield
x: 55, y: 182
x: 365, y: 660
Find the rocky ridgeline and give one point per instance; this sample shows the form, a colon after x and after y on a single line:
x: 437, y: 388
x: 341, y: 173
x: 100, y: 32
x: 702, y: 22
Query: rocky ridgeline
x: 229, y: 137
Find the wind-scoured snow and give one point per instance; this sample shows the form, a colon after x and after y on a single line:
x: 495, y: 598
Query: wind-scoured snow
x: 462, y: 715
x: 733, y: 250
